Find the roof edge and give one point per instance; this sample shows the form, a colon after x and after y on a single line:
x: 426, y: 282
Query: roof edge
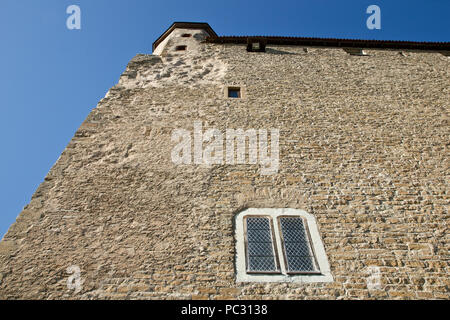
x: 332, y: 42
x: 185, y: 25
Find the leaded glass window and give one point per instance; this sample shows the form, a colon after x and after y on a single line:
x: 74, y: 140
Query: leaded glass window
x: 260, y: 246
x: 298, y: 254
x: 279, y: 245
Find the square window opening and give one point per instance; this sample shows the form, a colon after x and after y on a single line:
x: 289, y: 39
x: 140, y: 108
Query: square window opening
x: 234, y: 92
x: 256, y: 46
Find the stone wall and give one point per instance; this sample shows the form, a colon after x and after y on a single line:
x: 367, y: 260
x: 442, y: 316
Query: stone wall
x: 363, y: 148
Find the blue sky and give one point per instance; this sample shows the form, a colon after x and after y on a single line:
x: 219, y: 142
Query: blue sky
x: 52, y: 77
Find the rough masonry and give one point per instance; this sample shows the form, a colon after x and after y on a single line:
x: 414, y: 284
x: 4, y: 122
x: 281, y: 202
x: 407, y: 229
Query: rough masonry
x: 363, y: 147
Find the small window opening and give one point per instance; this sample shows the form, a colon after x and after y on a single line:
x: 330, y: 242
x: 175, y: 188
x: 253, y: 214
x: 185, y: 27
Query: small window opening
x: 256, y: 45
x: 234, y: 92
x: 180, y: 48
x: 186, y: 35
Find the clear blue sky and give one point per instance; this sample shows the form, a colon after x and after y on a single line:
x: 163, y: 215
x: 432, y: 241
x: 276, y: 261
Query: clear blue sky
x: 52, y: 77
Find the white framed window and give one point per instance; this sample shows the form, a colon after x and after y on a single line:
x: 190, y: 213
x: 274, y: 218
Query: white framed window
x: 279, y: 245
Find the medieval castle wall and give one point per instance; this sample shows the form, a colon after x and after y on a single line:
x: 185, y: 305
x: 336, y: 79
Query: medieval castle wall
x: 363, y: 148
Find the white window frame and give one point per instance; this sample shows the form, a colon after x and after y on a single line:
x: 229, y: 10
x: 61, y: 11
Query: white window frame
x: 315, y: 242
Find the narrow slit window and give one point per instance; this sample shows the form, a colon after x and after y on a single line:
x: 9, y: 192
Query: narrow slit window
x: 298, y: 254
x: 234, y: 92
x: 260, y: 244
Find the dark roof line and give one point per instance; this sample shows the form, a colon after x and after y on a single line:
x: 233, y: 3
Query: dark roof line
x: 305, y: 41
x: 332, y: 42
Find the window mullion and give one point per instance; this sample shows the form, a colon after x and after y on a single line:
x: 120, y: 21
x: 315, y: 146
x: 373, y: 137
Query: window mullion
x: 279, y: 244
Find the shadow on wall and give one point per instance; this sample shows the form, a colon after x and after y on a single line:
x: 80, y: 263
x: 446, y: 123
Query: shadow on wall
x: 274, y: 51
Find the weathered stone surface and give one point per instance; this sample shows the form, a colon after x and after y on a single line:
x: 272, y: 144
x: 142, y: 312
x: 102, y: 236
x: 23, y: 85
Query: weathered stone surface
x: 363, y: 147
